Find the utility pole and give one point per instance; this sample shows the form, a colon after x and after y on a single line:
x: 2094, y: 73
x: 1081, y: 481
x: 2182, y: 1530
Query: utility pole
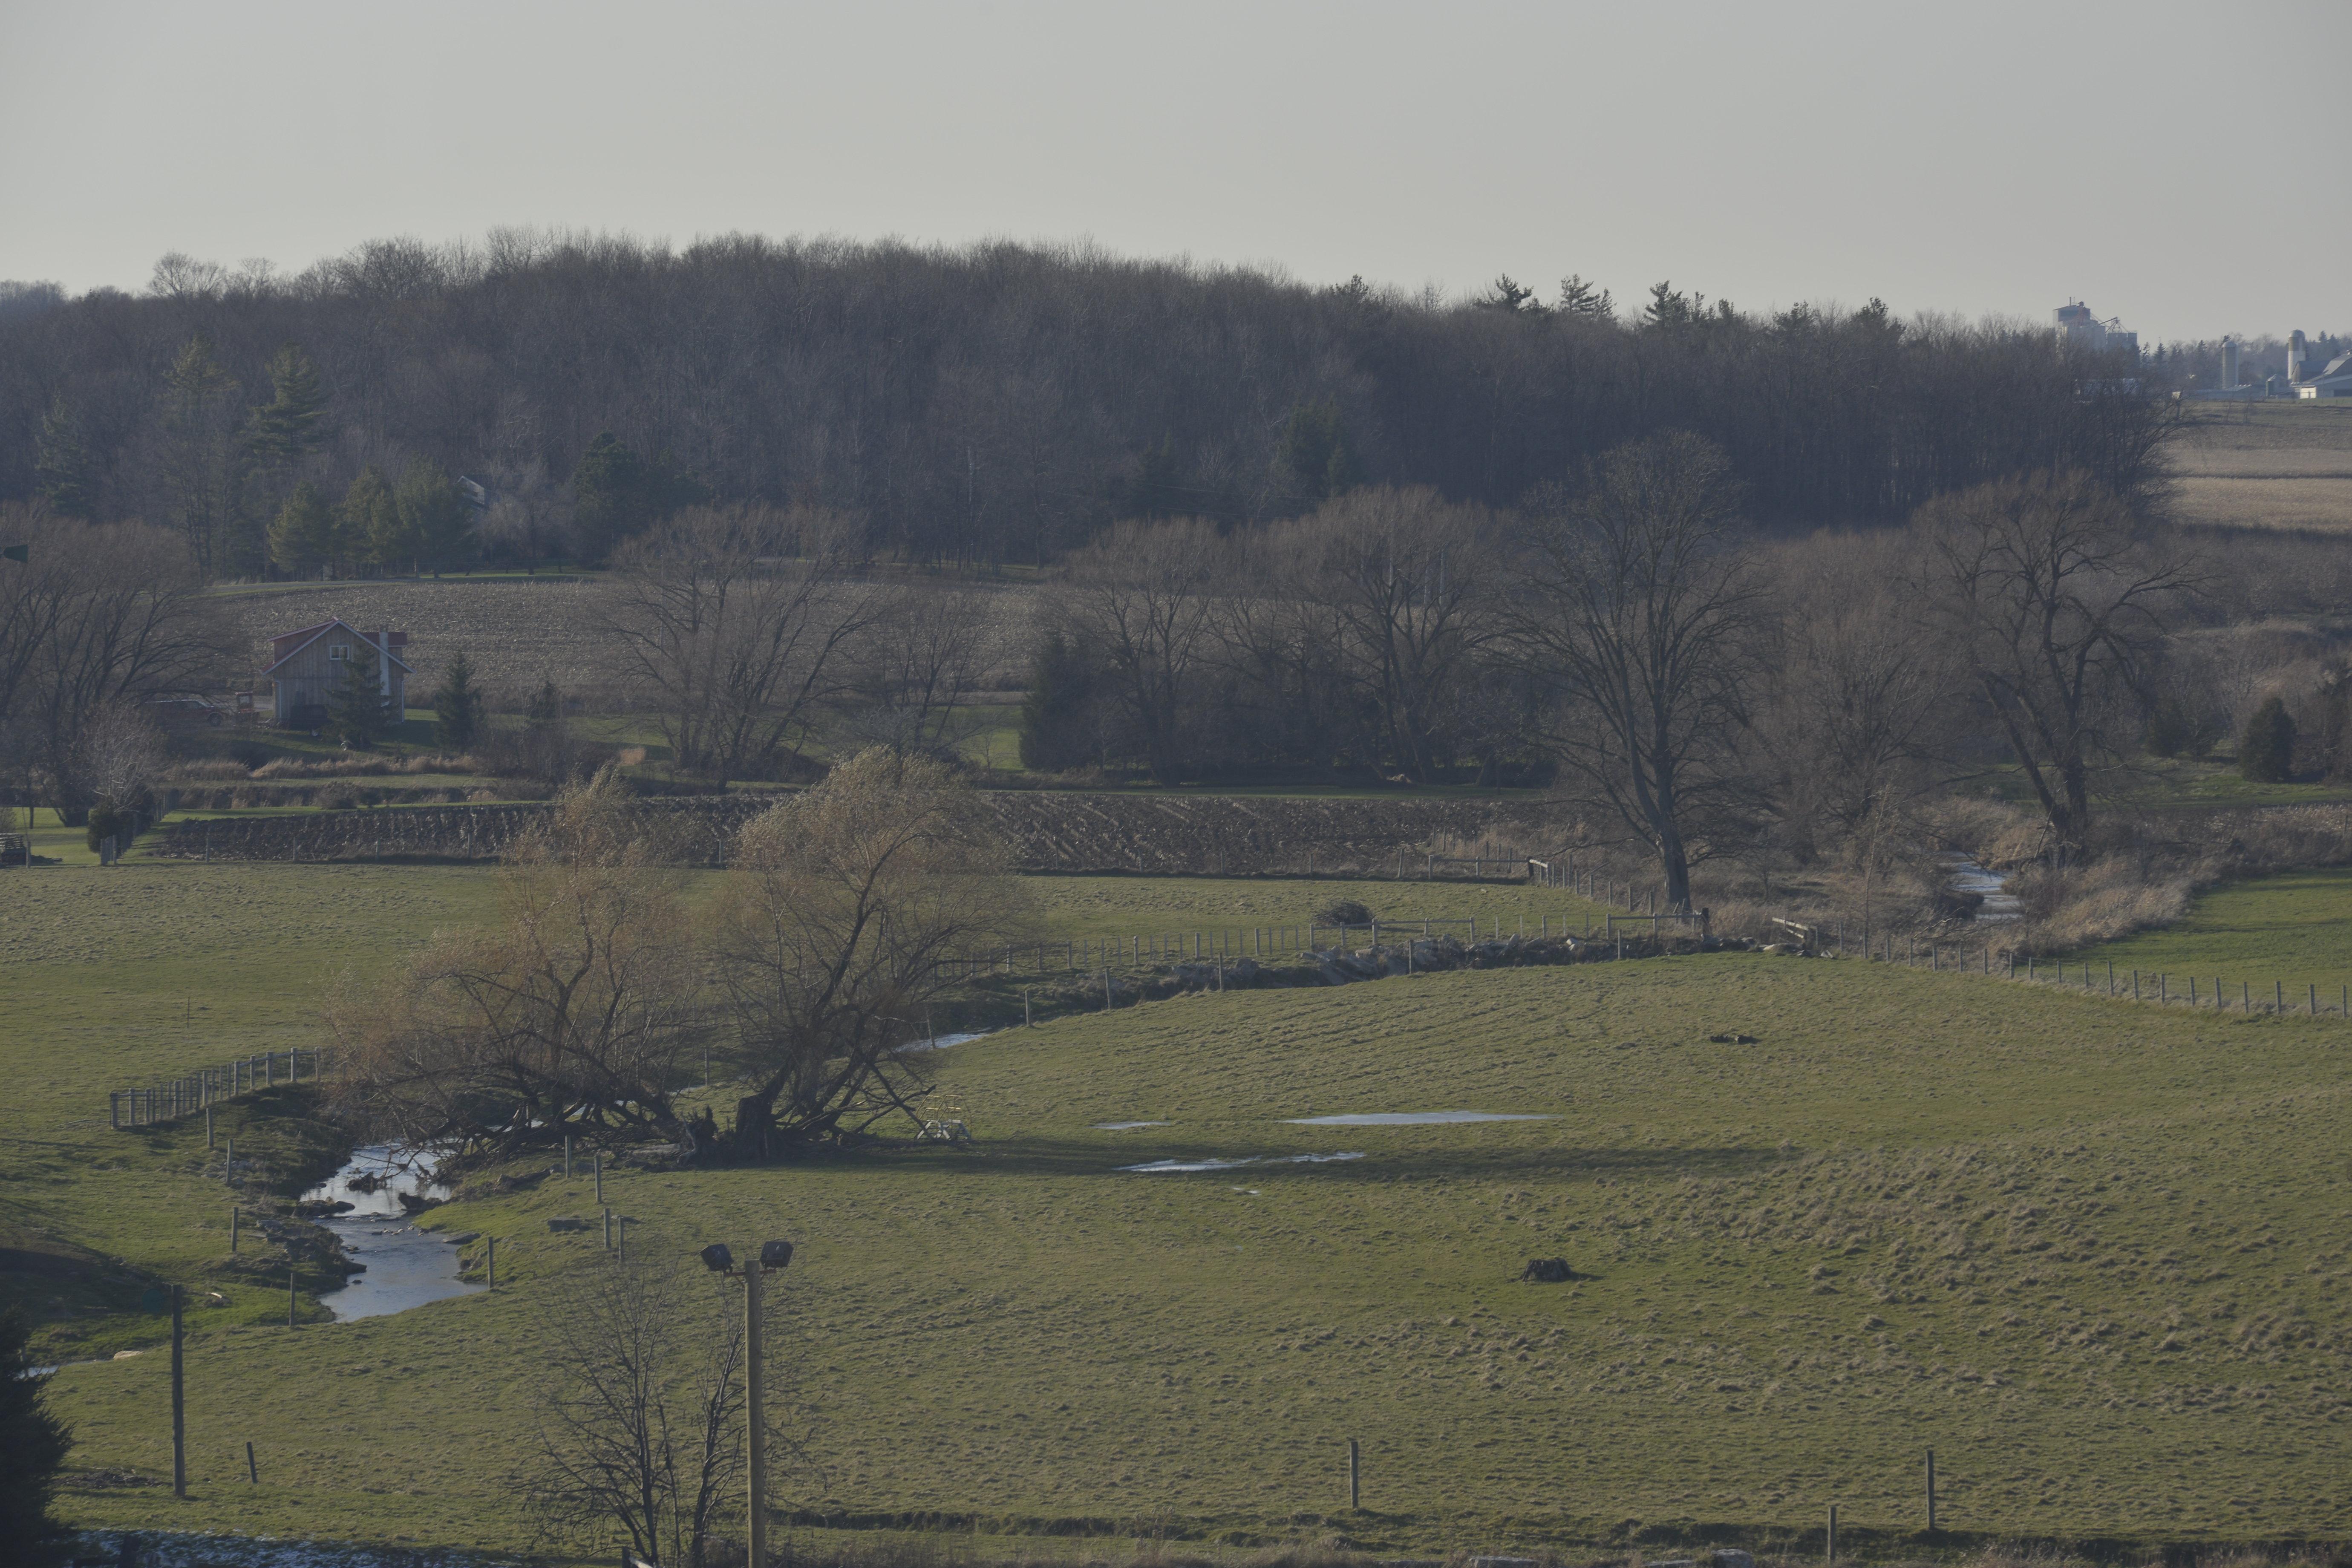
x: 720, y: 1259
x: 754, y: 1419
x: 179, y: 1405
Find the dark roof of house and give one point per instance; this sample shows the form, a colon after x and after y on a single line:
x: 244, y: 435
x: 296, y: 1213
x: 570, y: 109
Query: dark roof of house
x: 286, y: 644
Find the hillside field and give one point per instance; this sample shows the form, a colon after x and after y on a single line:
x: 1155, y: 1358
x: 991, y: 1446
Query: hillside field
x: 2093, y: 1255
x: 2277, y: 465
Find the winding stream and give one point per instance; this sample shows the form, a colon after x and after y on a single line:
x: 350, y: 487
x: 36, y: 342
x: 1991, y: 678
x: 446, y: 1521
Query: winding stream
x: 405, y: 1267
x: 1967, y: 877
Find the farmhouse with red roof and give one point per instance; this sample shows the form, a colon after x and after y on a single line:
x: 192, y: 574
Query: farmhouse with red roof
x: 305, y: 666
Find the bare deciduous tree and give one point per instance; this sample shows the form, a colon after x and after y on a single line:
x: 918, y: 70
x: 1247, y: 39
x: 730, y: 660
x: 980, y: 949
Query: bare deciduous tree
x: 2057, y: 606
x: 737, y: 620
x: 575, y: 1010
x: 641, y: 1430
x: 98, y: 616
x: 121, y: 753
x: 914, y: 664
x: 1409, y: 578
x: 1862, y: 697
x: 845, y: 908
x: 1141, y: 597
x: 1641, y: 612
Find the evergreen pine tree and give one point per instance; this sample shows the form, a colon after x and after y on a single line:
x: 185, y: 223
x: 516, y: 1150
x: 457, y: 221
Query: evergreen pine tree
x: 302, y: 537
x: 292, y: 424
x: 61, y: 464
x: 456, y: 706
x: 1055, y: 717
x: 1578, y: 297
x: 200, y: 461
x: 2266, y: 751
x: 1159, y: 488
x: 33, y: 1444
x: 1316, y: 455
x: 368, y: 530
x: 607, y: 497
x: 547, y: 740
x: 617, y: 494
x: 436, y: 520
x: 356, y: 712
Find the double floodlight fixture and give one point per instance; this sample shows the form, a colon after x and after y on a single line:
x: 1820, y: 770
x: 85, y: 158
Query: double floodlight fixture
x: 719, y: 1258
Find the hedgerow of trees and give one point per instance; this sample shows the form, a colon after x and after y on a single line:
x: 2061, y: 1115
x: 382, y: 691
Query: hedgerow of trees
x: 996, y: 402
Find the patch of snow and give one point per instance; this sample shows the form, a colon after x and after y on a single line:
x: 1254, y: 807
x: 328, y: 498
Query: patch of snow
x: 1163, y: 1165
x: 1414, y: 1118
x: 1158, y: 1165
x: 1128, y: 1126
x: 942, y: 1042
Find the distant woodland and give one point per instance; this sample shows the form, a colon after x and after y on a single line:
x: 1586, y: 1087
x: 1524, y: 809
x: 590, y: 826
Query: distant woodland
x: 539, y: 397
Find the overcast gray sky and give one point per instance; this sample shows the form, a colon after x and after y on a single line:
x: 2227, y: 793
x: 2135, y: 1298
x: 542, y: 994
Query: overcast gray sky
x: 2182, y: 164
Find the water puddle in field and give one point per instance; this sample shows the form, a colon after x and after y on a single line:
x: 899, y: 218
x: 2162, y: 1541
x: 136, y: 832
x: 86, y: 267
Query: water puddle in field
x: 1160, y: 1166
x: 1967, y: 877
x: 405, y: 1267
x: 1414, y: 1118
x: 942, y: 1042
x: 1128, y: 1126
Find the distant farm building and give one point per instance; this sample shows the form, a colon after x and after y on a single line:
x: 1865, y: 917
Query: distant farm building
x: 2335, y: 381
x: 306, y: 667
x: 2077, y: 325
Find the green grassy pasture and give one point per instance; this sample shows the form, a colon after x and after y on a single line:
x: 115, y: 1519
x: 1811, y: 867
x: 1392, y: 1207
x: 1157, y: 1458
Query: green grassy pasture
x: 2092, y: 1254
x: 2294, y: 928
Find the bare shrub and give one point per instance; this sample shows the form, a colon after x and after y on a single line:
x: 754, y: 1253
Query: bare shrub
x: 121, y: 755
x: 2150, y: 883
x: 211, y: 770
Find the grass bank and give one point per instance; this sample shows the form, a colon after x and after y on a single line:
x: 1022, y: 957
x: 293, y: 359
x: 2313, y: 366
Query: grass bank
x: 2294, y: 929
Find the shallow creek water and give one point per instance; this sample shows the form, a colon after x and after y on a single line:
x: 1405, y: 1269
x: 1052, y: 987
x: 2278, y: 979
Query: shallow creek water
x: 1969, y: 877
x: 405, y: 1267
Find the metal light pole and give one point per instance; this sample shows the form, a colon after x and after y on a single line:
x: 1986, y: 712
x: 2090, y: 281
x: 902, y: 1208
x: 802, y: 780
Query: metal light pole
x: 774, y: 1256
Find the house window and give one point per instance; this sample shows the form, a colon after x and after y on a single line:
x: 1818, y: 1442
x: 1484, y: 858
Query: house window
x: 339, y: 650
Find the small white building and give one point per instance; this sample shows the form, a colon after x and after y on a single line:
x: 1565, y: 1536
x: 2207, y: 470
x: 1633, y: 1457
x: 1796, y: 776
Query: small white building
x: 2334, y: 381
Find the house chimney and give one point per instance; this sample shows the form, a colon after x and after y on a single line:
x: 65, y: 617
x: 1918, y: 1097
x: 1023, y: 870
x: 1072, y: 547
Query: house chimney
x: 2295, y: 347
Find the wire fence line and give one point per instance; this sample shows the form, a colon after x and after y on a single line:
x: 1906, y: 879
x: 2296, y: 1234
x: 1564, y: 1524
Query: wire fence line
x: 173, y: 1099
x: 2103, y: 978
